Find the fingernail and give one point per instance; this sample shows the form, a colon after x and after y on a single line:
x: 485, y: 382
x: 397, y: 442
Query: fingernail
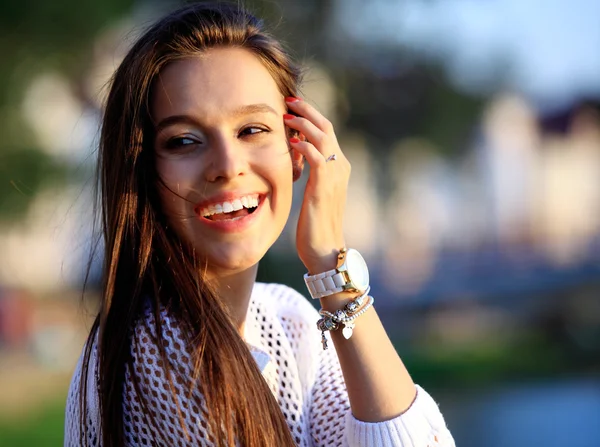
x: 294, y: 140
x: 287, y: 116
x: 291, y: 99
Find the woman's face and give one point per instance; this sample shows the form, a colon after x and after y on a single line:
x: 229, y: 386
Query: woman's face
x: 221, y: 149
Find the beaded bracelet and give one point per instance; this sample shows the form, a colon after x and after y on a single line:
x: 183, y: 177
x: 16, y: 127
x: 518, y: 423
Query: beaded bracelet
x: 349, y: 309
x: 341, y: 317
x: 330, y: 322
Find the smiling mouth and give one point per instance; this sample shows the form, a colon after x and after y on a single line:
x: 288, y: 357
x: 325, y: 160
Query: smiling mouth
x: 233, y: 215
x: 231, y: 210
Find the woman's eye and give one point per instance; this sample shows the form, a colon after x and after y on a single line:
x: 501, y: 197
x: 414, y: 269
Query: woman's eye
x: 253, y: 130
x: 180, y: 142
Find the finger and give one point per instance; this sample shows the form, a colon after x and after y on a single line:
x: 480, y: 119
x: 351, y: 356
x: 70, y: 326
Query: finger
x: 312, y: 133
x: 315, y: 159
x: 304, y: 109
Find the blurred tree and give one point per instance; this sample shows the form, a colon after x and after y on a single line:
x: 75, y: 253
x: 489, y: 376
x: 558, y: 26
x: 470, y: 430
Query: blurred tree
x: 389, y: 91
x: 39, y: 36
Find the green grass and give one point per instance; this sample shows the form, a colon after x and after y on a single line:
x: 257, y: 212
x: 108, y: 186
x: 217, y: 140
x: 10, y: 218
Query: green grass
x: 42, y: 428
x: 485, y: 362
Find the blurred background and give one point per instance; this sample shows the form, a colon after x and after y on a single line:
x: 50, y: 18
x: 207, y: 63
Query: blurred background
x: 473, y: 128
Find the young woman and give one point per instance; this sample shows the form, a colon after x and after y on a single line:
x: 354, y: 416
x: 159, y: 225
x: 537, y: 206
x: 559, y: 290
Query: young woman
x: 202, y: 138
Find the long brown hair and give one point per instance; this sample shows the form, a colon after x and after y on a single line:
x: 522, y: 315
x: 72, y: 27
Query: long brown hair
x: 145, y: 260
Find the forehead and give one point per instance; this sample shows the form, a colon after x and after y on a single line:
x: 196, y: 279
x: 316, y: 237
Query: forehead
x: 213, y: 82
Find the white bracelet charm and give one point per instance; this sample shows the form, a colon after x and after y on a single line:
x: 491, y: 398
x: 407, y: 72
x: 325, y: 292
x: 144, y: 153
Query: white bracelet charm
x: 331, y: 321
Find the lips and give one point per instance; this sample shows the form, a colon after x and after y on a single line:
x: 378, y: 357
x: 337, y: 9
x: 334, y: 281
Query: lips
x: 221, y: 210
x: 231, y: 212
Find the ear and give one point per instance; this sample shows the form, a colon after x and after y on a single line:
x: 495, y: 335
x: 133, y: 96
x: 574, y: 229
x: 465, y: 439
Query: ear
x: 297, y: 164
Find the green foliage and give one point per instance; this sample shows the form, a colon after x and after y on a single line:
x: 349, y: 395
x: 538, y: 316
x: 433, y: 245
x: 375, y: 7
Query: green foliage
x: 39, y: 36
x: 22, y: 173
x: 524, y: 355
x: 44, y: 428
x: 450, y: 115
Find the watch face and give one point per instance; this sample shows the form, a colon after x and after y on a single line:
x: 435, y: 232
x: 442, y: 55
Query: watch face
x: 357, y: 269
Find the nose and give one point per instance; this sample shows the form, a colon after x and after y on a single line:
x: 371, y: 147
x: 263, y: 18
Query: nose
x: 226, y: 160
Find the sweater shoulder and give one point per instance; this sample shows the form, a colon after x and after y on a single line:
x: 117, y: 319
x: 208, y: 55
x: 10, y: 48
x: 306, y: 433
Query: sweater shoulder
x: 285, y: 302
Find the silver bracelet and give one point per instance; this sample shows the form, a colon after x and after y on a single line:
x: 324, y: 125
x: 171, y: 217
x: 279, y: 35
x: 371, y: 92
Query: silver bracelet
x: 330, y: 323
x: 349, y: 309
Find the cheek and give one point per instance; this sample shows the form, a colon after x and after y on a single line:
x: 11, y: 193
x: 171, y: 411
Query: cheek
x: 277, y: 161
x: 282, y: 177
x: 174, y: 173
x: 174, y: 184
x: 180, y: 175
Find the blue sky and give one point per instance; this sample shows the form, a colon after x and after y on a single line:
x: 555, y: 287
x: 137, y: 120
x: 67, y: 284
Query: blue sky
x: 552, y: 46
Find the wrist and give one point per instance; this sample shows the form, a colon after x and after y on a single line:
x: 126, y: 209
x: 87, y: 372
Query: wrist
x: 349, y: 275
x: 321, y: 263
x: 338, y: 300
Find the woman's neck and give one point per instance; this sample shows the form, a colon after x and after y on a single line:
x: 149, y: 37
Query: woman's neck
x: 235, y: 290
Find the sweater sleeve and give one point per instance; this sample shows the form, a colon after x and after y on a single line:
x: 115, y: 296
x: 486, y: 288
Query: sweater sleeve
x: 73, y: 418
x: 422, y: 425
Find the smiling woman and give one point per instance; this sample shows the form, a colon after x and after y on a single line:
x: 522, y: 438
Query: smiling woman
x: 221, y: 137
x: 202, y: 139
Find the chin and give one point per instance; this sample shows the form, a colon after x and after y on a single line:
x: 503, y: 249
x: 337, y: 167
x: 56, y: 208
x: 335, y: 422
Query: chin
x: 229, y: 254
x: 231, y: 260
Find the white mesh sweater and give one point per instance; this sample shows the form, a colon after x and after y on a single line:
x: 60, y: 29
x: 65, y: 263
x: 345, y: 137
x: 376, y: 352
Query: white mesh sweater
x: 307, y: 382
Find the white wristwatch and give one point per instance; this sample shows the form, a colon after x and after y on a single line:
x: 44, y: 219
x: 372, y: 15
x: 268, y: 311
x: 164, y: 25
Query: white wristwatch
x: 350, y: 274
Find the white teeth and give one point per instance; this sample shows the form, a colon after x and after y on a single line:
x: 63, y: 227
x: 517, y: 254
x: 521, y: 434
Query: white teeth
x: 237, y: 205
x: 228, y: 207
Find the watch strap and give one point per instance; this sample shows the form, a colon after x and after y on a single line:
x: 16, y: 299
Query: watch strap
x: 325, y: 284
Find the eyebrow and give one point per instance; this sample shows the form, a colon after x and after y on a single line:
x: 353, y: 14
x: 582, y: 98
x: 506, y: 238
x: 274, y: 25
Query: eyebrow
x: 253, y: 108
x: 236, y: 113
